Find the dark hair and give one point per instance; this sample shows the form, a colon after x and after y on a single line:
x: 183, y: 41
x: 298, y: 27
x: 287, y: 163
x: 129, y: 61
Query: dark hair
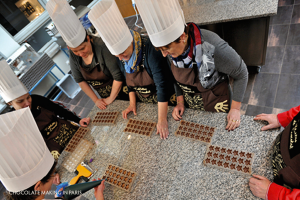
x: 29, y: 193
x: 186, y: 31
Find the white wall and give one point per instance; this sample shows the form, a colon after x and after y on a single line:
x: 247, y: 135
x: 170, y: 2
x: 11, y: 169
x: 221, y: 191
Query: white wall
x: 8, y: 44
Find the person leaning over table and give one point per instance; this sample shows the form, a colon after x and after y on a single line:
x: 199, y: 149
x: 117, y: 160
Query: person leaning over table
x: 55, y: 123
x: 90, y: 61
x: 32, y: 176
x: 286, y: 158
x: 147, y: 73
x: 201, y: 61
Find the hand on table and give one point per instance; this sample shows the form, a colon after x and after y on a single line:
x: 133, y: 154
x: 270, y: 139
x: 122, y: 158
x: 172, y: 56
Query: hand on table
x: 162, y: 129
x: 100, y: 103
x: 128, y: 110
x: 233, y: 119
x: 85, y: 122
x: 107, y: 100
x: 259, y: 186
x: 270, y: 118
x: 98, y: 191
x: 178, y: 111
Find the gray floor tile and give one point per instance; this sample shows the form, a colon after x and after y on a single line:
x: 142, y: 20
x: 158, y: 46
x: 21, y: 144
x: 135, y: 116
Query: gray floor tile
x: 285, y: 2
x: 77, y: 109
x: 90, y: 104
x: 84, y: 99
x: 294, y: 35
x: 76, y: 99
x: 251, y: 80
x: 296, y: 14
x: 84, y: 112
x: 288, y: 93
x: 274, y: 58
x: 255, y: 110
x: 291, y: 60
x: 297, y: 2
x: 264, y: 90
x: 278, y: 110
x: 243, y: 108
x: 284, y: 15
x: 62, y: 97
x: 278, y: 35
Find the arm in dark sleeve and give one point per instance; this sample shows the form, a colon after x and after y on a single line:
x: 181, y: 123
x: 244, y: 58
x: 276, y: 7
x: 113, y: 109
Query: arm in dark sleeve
x: 122, y: 69
x: 161, y: 74
x: 111, y: 63
x: 229, y: 62
x: 286, y: 117
x: 178, y: 90
x: 75, y: 67
x: 56, y: 108
x: 278, y: 192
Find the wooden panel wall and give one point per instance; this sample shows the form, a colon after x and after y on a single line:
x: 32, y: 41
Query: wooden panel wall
x: 125, y: 7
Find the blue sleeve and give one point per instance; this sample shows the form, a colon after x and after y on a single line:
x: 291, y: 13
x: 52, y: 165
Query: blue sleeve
x: 159, y: 70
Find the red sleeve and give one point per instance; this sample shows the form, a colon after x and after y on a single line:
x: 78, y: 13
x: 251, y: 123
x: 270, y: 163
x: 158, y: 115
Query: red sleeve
x: 278, y: 192
x: 286, y: 117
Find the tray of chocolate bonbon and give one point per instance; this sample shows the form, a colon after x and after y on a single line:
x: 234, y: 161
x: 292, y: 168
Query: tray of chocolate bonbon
x: 140, y: 127
x: 195, y: 131
x: 229, y: 159
x: 80, y: 133
x: 77, y: 156
x: 105, y: 118
x: 119, y: 177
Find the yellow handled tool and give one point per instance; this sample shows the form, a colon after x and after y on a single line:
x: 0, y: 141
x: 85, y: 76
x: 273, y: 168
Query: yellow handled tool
x: 82, y: 171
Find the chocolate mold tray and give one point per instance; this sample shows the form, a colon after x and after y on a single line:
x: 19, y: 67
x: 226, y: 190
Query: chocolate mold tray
x: 140, y: 127
x: 80, y: 133
x: 77, y: 156
x: 229, y: 159
x: 105, y: 118
x: 119, y: 177
x: 195, y: 131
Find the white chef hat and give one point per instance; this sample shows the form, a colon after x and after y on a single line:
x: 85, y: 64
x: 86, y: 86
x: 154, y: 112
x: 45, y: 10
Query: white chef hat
x: 66, y: 22
x: 163, y: 20
x: 108, y: 21
x: 24, y: 156
x: 10, y: 86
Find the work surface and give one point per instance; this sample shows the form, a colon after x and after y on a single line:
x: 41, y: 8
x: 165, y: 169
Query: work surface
x: 173, y: 168
x: 215, y: 11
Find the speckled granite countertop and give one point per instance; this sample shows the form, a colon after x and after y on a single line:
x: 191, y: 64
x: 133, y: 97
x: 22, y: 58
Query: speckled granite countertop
x: 173, y: 169
x: 215, y: 11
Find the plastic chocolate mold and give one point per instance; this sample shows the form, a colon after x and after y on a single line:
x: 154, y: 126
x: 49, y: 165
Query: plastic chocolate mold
x: 195, y: 131
x: 105, y: 118
x: 140, y: 127
x: 229, y: 159
x: 80, y: 133
x: 119, y: 177
x: 77, y: 156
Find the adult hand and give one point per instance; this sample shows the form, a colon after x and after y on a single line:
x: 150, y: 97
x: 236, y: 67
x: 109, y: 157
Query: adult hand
x: 130, y: 108
x: 162, y: 129
x: 233, y: 119
x: 178, y: 111
x: 100, y: 103
x: 56, y: 179
x: 85, y: 122
x: 108, y: 100
x: 98, y: 191
x: 270, y: 118
x: 259, y: 186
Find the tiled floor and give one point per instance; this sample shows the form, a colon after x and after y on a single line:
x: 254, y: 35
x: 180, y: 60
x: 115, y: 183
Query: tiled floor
x: 275, y: 89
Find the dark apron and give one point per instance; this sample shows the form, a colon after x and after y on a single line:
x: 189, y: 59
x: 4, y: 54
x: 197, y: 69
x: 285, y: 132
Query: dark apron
x: 143, y: 84
x: 216, y: 99
x: 286, y: 155
x: 100, y: 82
x: 55, y: 131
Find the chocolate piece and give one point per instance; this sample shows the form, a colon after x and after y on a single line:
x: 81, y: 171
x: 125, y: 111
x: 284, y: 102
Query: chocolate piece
x: 247, y: 162
x: 233, y: 159
x: 241, y: 161
x: 246, y: 170
x: 220, y: 163
x: 226, y: 165
x: 242, y: 154
x: 249, y: 155
x: 235, y: 152
x: 239, y: 168
x: 214, y: 162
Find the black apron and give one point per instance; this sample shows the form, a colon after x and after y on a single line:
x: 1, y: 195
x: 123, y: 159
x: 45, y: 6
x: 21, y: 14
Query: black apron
x: 56, y: 132
x: 286, y: 155
x: 143, y: 84
x: 100, y: 82
x: 216, y: 99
